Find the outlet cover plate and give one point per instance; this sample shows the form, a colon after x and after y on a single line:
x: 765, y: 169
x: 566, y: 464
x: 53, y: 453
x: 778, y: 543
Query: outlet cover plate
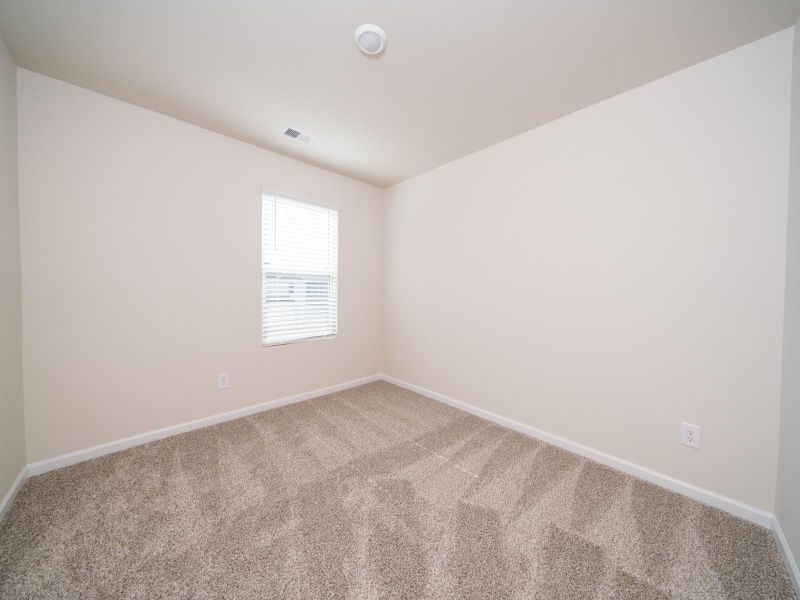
x: 690, y: 435
x: 222, y: 381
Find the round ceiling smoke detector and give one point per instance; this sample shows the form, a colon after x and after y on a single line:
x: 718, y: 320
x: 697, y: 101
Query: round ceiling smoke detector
x: 370, y: 39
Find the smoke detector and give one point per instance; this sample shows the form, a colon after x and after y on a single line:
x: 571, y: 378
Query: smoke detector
x: 298, y: 136
x: 370, y: 39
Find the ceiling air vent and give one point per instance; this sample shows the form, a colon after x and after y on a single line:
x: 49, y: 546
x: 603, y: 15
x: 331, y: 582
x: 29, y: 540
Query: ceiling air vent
x: 301, y: 137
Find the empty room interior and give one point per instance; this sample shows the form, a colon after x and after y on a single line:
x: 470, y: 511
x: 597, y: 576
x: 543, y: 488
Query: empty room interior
x: 411, y: 300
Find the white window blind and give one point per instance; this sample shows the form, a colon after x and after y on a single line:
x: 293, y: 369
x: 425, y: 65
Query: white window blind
x: 299, y: 270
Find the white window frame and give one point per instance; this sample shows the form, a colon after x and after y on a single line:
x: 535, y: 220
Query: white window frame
x: 272, y: 191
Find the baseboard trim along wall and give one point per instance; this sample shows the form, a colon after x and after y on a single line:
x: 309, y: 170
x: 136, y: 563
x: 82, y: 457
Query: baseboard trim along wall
x: 72, y: 458
x: 788, y: 557
x: 735, y: 507
x: 8, y: 499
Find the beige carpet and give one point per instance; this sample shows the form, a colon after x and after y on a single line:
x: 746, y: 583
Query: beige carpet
x: 374, y: 492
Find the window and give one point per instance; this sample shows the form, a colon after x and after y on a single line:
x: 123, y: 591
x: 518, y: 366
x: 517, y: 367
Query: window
x: 299, y: 270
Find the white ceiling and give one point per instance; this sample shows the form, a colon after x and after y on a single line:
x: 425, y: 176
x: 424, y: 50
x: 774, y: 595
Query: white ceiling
x: 457, y: 75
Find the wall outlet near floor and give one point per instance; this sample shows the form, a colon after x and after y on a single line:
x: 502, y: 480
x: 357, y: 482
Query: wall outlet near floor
x: 690, y: 435
x: 397, y: 356
x: 222, y: 381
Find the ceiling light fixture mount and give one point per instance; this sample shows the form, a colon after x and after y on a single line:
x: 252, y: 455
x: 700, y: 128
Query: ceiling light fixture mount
x: 370, y: 39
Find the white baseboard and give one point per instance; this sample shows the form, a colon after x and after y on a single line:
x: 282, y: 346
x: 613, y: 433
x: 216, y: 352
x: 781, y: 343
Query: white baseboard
x: 735, y: 507
x: 786, y: 551
x: 740, y: 509
x: 5, y: 503
x: 72, y: 458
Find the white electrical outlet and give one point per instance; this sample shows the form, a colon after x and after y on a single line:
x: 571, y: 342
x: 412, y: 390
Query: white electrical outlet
x: 690, y: 435
x: 222, y: 381
x: 397, y: 356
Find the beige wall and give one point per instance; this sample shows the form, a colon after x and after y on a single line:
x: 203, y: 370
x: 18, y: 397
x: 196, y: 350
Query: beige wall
x: 140, y: 254
x: 12, y: 429
x: 614, y: 273
x: 788, y: 493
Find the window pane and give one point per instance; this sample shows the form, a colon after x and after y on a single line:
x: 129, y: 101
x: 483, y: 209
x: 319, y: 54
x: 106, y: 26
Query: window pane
x: 299, y: 270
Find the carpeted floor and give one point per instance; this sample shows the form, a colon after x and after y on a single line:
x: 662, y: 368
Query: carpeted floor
x: 374, y: 492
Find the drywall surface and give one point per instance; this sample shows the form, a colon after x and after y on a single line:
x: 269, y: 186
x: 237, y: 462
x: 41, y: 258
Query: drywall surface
x: 12, y: 428
x: 614, y: 273
x: 141, y: 258
x: 787, y: 502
